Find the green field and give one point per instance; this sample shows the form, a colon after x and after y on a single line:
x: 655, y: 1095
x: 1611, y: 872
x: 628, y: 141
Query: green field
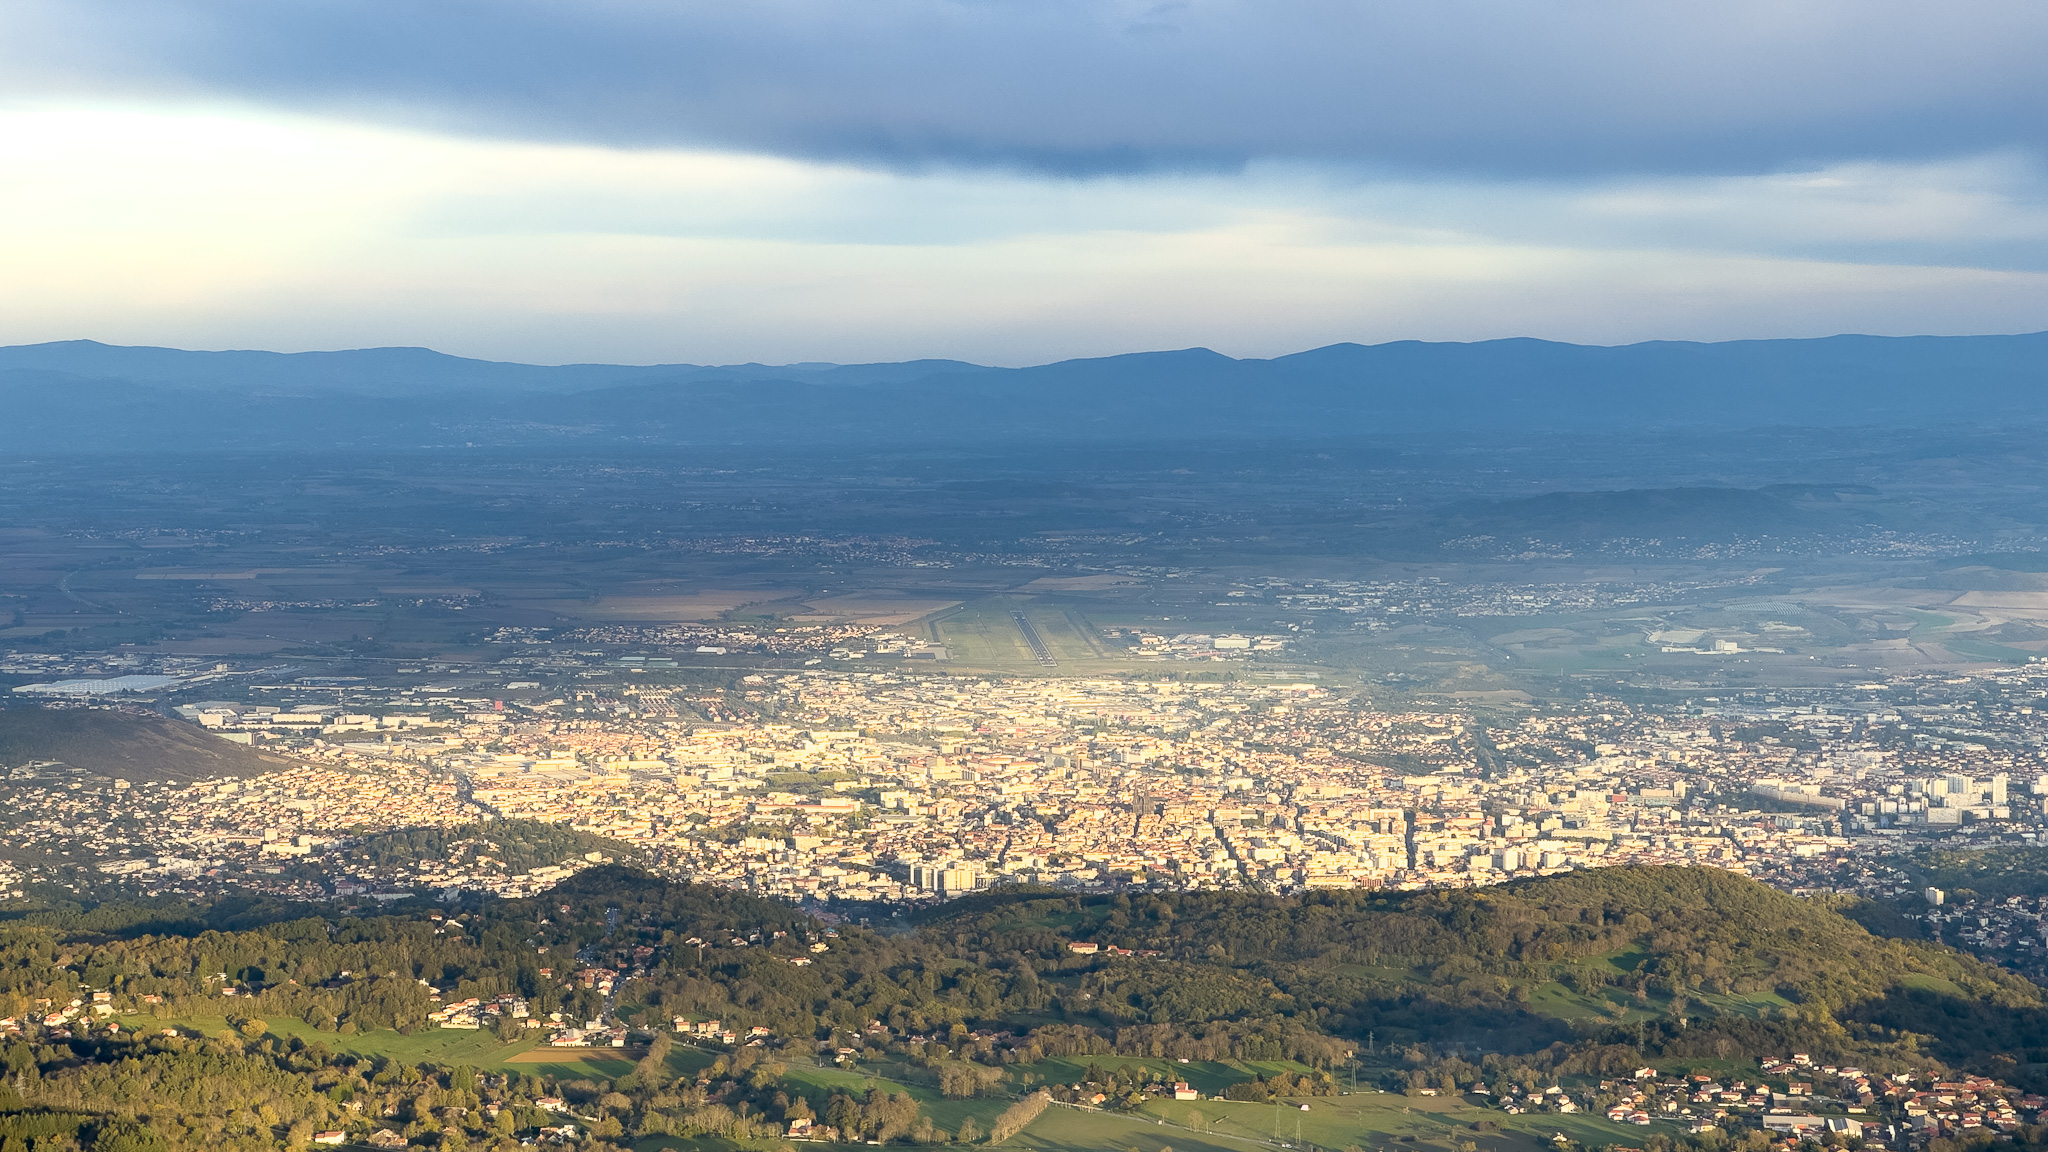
x: 1934, y: 984
x: 1366, y: 1119
x: 1966, y: 645
x: 448, y: 1047
x: 1206, y: 1077
x: 1062, y: 1128
x: 1554, y: 999
x: 945, y: 1113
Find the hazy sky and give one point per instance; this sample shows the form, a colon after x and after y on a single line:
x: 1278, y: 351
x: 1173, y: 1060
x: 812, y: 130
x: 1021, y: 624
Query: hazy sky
x: 1013, y: 182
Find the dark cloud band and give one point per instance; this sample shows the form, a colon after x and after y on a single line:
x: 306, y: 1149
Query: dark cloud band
x: 1528, y: 87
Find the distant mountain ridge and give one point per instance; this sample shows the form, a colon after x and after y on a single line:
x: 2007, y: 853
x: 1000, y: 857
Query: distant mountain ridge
x: 87, y: 395
x: 395, y: 371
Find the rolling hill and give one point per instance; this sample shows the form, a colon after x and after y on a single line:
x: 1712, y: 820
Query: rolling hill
x: 938, y: 1029
x: 1689, y: 960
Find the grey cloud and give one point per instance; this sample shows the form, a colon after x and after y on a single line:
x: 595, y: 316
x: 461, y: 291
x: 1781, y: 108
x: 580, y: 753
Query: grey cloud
x: 1490, y: 87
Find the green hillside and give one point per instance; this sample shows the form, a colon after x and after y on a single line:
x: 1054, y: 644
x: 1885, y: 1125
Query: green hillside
x: 1669, y: 958
x: 1353, y: 1003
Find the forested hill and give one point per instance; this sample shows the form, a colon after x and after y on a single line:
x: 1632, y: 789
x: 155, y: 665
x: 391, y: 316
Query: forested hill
x: 1689, y: 958
x: 1697, y: 956
x: 1581, y: 974
x: 1697, y: 935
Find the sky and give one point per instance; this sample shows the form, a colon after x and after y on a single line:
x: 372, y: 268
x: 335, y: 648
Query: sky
x: 1013, y: 181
